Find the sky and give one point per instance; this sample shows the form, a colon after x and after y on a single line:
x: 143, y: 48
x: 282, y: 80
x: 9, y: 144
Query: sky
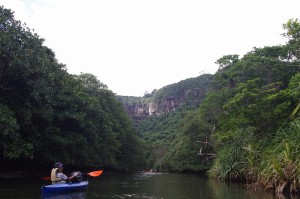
x: 136, y: 46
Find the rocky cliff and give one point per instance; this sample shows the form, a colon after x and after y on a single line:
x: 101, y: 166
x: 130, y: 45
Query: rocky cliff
x: 189, y: 93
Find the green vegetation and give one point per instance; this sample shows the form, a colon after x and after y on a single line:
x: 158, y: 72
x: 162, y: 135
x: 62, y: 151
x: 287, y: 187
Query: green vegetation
x: 160, y: 131
x: 48, y: 115
x: 246, y: 128
x: 190, y: 87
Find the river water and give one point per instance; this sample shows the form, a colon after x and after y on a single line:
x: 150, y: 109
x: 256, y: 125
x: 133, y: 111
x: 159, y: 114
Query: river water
x: 137, y: 186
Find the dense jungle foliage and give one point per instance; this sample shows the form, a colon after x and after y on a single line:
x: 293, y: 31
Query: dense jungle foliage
x: 48, y: 115
x: 247, y: 128
x: 159, y: 131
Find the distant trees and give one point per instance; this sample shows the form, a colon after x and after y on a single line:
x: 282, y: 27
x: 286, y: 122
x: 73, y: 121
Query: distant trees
x: 292, y: 28
x: 48, y: 115
x: 159, y: 132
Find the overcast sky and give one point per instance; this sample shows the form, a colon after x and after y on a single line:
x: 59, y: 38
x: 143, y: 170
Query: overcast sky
x: 134, y: 46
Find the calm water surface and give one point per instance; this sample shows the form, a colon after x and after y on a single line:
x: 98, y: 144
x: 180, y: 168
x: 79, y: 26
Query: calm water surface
x: 138, y: 186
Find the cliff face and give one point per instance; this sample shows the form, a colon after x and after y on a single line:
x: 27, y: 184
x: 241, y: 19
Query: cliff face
x: 139, y: 111
x: 167, y: 99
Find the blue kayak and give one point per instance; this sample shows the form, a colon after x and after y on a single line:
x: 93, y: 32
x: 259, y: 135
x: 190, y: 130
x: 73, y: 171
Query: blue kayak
x: 65, y: 187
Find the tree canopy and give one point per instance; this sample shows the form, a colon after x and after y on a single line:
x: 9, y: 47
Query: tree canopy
x: 49, y: 115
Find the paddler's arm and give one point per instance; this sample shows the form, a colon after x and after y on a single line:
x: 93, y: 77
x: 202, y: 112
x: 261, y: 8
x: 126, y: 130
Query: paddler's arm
x: 70, y: 178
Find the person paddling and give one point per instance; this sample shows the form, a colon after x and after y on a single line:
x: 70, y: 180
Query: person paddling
x: 57, y: 175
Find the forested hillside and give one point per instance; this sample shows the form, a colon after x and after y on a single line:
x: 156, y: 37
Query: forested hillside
x: 159, y: 129
x: 247, y: 128
x: 48, y: 115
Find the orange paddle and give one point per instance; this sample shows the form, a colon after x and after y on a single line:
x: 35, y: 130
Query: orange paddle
x: 95, y: 173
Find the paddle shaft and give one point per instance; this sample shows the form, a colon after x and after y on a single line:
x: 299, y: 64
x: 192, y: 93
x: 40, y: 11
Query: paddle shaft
x: 92, y: 174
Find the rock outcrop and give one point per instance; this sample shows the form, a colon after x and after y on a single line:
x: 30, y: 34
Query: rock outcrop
x: 167, y: 99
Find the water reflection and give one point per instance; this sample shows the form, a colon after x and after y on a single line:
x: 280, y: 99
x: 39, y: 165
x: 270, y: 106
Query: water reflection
x: 169, y: 186
x: 72, y: 195
x: 140, y: 186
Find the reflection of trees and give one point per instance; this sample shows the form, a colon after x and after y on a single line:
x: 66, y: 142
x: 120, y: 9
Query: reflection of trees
x: 228, y: 190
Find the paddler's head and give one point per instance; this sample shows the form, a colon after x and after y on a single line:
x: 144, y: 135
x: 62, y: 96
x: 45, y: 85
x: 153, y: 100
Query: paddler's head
x: 59, y: 165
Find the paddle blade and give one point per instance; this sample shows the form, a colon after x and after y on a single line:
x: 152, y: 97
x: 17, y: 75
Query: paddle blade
x: 95, y: 173
x: 46, y: 178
